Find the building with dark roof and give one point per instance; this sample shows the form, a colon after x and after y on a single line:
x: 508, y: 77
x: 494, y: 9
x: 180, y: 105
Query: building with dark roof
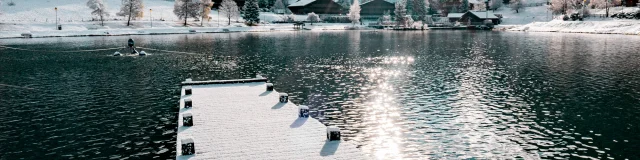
x: 317, y: 6
x: 376, y: 7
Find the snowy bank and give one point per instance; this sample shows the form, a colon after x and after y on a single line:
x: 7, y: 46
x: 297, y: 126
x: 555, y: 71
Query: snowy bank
x: 245, y: 121
x: 37, y: 18
x: 80, y: 29
x: 595, y: 27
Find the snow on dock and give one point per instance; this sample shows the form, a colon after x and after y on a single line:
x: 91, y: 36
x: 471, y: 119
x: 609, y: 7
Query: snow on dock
x: 240, y: 119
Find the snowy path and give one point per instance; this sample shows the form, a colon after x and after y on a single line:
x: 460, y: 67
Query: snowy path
x: 244, y: 121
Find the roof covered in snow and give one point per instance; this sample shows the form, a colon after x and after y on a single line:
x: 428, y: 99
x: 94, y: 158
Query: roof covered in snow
x: 244, y: 121
x: 484, y: 15
x: 301, y: 3
x: 476, y: 1
x: 389, y: 1
x: 455, y: 15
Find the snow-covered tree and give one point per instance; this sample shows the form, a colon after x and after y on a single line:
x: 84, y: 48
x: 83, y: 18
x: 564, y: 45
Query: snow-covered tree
x: 385, y: 19
x: 251, y: 12
x: 354, y: 12
x: 279, y: 6
x: 185, y: 9
x: 98, y: 9
x: 420, y: 8
x: 605, y: 4
x: 133, y: 9
x: 229, y: 9
x: 464, y: 7
x: 401, y: 12
x: 562, y: 6
x: 313, y: 17
x: 517, y: 5
x: 206, y: 10
x: 495, y: 4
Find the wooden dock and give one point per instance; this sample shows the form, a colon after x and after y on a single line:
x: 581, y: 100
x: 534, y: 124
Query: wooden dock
x: 240, y: 119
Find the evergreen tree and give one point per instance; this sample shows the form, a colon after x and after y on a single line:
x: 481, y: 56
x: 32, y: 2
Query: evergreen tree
x: 401, y: 12
x: 134, y: 9
x: 464, y: 7
x: 279, y: 6
x: 251, y: 12
x: 420, y: 8
x: 185, y: 9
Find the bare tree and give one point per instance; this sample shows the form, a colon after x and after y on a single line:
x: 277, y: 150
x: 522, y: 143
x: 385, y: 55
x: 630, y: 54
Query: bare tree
x: 99, y: 9
x: 517, y: 5
x: 185, y: 9
x: 605, y: 4
x: 134, y: 9
x: 229, y: 9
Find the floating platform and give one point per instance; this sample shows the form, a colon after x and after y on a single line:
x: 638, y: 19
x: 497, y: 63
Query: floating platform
x: 241, y: 119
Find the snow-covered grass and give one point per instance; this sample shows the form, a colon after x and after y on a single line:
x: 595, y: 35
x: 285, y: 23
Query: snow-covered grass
x: 597, y: 27
x: 525, y: 16
x: 38, y: 17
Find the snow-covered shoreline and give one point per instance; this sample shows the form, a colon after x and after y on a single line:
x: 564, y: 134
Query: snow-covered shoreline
x: 626, y: 27
x: 170, y: 30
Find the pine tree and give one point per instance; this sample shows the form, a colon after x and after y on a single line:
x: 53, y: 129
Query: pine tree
x: 134, y: 9
x: 420, y: 8
x: 251, y: 12
x: 99, y: 9
x: 401, y: 12
x: 354, y: 12
x: 279, y: 6
x: 433, y: 7
x: 229, y: 9
x: 464, y: 7
x: 185, y: 9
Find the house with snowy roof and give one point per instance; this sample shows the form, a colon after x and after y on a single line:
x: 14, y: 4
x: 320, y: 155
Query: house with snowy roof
x: 316, y: 6
x: 478, y: 18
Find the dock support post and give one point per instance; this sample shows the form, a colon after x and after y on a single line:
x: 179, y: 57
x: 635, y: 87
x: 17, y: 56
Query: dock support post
x: 188, y: 147
x: 187, y: 119
x: 333, y: 133
x: 303, y: 111
x: 188, y: 103
x: 188, y: 90
x: 269, y: 86
x: 284, y: 98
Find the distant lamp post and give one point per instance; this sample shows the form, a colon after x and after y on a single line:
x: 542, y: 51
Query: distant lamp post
x: 150, y: 18
x: 56, y: 17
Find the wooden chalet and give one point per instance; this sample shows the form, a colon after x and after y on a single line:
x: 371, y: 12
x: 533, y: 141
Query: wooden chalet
x: 478, y: 18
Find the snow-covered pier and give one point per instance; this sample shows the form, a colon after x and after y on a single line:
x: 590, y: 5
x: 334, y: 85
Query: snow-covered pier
x: 243, y: 119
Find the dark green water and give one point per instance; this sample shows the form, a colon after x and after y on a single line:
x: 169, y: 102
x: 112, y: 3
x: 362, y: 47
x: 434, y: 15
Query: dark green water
x: 411, y: 95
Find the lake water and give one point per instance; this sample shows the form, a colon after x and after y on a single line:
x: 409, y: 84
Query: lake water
x: 397, y: 95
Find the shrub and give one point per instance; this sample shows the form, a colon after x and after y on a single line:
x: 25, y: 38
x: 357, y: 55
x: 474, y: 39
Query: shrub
x: 337, y: 19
